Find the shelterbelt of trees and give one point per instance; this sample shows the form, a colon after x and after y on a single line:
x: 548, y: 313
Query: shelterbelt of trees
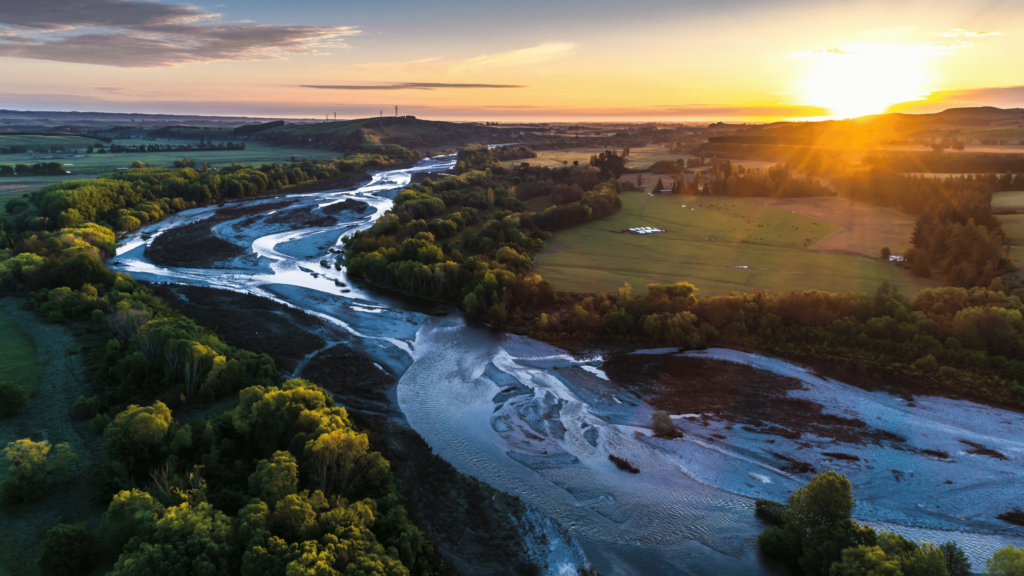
x: 469, y: 239
x: 282, y: 484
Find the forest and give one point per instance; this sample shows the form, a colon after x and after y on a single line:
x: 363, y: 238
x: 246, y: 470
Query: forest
x: 282, y: 483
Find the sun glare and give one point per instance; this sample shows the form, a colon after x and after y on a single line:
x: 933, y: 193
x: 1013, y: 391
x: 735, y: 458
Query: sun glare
x: 864, y: 82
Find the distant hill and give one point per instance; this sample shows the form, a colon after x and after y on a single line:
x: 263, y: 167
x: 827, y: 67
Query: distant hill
x: 871, y: 130
x: 404, y: 131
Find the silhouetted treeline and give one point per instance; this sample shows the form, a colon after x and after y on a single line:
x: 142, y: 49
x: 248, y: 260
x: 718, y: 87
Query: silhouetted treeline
x: 964, y: 163
x: 205, y: 147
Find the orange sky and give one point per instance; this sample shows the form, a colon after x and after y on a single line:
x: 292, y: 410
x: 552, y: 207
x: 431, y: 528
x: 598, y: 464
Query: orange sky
x: 589, y: 61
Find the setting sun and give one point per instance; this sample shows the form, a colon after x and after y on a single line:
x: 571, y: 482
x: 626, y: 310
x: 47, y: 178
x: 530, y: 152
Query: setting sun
x: 869, y: 81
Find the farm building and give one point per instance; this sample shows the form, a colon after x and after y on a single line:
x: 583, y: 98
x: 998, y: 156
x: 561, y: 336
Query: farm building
x: 645, y: 230
x: 895, y: 258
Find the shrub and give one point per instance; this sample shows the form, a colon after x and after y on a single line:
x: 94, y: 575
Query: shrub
x: 67, y: 550
x: 663, y: 425
x: 1007, y: 561
x: 86, y: 408
x: 12, y: 399
x: 771, y: 512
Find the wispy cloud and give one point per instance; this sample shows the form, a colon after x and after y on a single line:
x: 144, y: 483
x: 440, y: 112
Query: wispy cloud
x: 414, y: 86
x: 813, y: 53
x: 959, y: 32
x: 141, y: 34
x: 520, y: 57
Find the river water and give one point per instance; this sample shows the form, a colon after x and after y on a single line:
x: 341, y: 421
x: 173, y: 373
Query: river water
x: 532, y: 420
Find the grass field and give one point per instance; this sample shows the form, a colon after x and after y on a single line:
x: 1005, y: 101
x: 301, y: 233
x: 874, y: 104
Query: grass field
x: 92, y: 165
x: 18, y: 362
x: 47, y: 141
x: 1008, y: 199
x: 718, y: 244
x: 61, y: 380
x: 638, y: 157
x: 865, y: 228
x: 1013, y: 226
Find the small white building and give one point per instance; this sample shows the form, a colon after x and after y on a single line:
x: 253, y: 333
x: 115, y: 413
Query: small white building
x: 895, y: 258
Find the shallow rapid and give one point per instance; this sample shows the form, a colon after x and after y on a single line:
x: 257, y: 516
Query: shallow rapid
x: 532, y: 420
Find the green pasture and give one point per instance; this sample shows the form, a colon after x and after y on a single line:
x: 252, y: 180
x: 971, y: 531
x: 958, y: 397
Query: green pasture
x: 720, y: 245
x: 47, y: 358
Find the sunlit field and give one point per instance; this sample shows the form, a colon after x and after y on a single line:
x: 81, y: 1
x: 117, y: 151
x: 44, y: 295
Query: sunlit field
x: 638, y: 157
x: 718, y: 244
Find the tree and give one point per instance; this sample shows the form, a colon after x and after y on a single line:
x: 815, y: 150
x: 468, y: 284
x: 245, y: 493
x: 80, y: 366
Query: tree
x: 34, y: 468
x: 864, y: 560
x: 1007, y: 561
x: 926, y: 560
x: 957, y: 563
x: 886, y: 253
x: 826, y: 544
x: 275, y: 478
x: 825, y: 500
x: 137, y: 164
x: 658, y: 186
x: 339, y: 459
x: 12, y: 399
x: 67, y: 550
x: 125, y: 516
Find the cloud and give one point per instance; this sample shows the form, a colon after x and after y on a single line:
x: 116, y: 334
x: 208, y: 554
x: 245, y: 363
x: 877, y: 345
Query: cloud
x: 414, y: 86
x: 142, y: 34
x: 944, y: 46
x: 959, y: 32
x: 520, y: 57
x: 1002, y: 97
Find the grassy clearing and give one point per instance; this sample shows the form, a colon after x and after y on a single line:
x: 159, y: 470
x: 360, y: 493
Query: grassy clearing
x: 1008, y: 199
x: 1013, y: 226
x: 62, y: 379
x: 18, y: 362
x: 10, y: 192
x: 718, y: 244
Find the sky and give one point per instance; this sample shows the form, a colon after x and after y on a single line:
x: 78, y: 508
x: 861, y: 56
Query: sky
x: 554, y: 60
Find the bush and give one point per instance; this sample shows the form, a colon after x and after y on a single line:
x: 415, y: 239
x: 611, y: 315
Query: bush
x: 782, y: 543
x: 12, y: 399
x: 663, y: 425
x: 67, y: 550
x: 1007, y: 561
x: 86, y: 408
x: 772, y: 512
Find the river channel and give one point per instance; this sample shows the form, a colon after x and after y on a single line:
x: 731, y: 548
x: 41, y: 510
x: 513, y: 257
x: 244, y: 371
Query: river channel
x: 533, y: 420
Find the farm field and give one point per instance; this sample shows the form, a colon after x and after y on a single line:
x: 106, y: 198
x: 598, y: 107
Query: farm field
x: 865, y: 228
x: 59, y: 379
x: 10, y: 192
x: 718, y: 244
x: 1008, y: 200
x: 1013, y: 225
x: 92, y: 165
x: 67, y: 141
x: 638, y: 157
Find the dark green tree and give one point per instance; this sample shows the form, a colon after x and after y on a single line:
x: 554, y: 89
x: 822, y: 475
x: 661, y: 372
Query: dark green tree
x: 67, y: 550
